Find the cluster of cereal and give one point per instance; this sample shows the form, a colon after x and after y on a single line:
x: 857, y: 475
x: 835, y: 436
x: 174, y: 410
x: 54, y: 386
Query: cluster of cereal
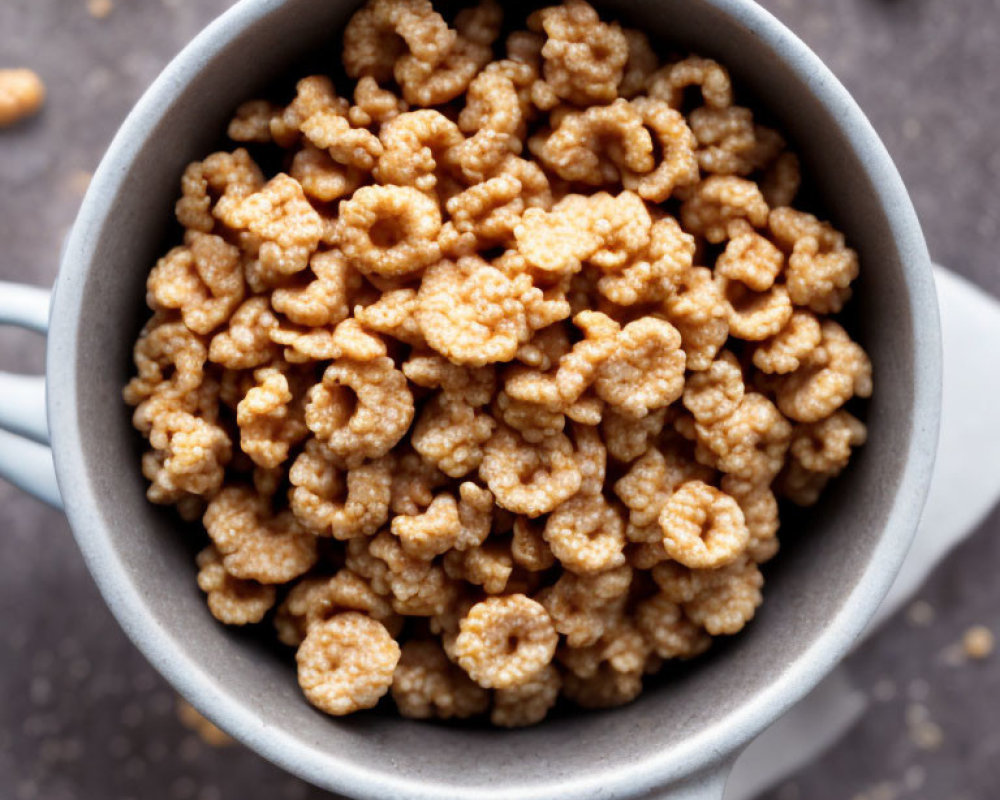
x: 488, y: 392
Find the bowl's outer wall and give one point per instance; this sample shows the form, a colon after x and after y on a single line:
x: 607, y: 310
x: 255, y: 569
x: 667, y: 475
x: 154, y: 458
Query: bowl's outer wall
x: 830, y: 574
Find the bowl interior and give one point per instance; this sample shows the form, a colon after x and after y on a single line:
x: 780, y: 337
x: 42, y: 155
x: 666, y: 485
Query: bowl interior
x: 144, y: 566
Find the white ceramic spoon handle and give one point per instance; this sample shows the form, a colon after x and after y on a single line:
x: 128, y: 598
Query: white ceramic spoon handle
x: 25, y: 458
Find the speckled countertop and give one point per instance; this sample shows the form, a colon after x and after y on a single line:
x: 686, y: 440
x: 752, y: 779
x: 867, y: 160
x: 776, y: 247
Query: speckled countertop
x: 83, y: 716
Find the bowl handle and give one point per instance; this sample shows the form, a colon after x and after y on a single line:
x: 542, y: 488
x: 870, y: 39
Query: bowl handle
x: 25, y: 457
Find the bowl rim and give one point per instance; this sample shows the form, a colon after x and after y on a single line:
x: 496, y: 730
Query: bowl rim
x: 711, y: 746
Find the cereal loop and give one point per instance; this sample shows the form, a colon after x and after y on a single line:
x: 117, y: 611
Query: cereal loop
x: 703, y: 528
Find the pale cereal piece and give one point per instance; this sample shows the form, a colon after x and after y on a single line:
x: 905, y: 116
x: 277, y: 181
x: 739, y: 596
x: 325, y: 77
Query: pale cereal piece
x: 221, y: 174
x: 830, y: 375
x: 473, y: 385
x: 290, y: 229
x: 580, y: 147
x: 825, y: 446
x: 490, y: 210
x: 622, y: 223
x: 416, y: 144
x: 313, y: 94
x: 505, y: 641
x: 22, y: 94
x: 427, y: 685
x: 192, y: 455
x: 432, y: 532
x: 168, y: 357
x: 720, y: 200
x: 256, y: 544
x: 347, y: 145
x: 303, y: 344
x: 545, y: 348
x: 328, y: 504
x: 652, y: 274
x: 271, y: 418
x: 353, y: 342
x: 313, y: 600
x: 645, y: 555
x: 716, y: 393
x: 529, y: 479
x: 607, y: 688
x: 669, y: 82
x: 760, y: 510
x: 750, y: 259
x: 646, y: 369
x: 586, y: 534
x: 536, y: 191
x: 470, y: 312
x: 754, y: 316
x: 703, y: 528
x: 642, y: 62
x: 785, y: 351
x: 667, y: 631
x: 781, y: 180
x: 591, y: 458
x: 584, y: 58
x: 450, y: 434
x: 727, y: 599
x: 492, y: 105
x: 203, y: 280
x: 361, y: 409
x: 529, y: 703
x: 579, y: 368
x: 697, y: 310
x: 389, y: 231
x: 321, y: 177
x: 750, y: 443
x: 788, y: 226
x: 232, y: 601
x: 553, y: 243
x: 621, y: 646
x: 488, y: 565
x: 978, y: 642
x: 582, y: 606
x: 346, y: 663
x: 252, y: 122
x: 246, y: 342
x: 533, y: 421
x: 393, y: 314
x: 529, y: 548
x: 324, y: 300
x: 414, y: 482
x: 424, y: 84
x: 475, y: 511
x: 626, y: 437
x: 374, y: 105
x: 380, y: 32
x: 678, y: 165
x: 725, y: 139
x: 649, y: 483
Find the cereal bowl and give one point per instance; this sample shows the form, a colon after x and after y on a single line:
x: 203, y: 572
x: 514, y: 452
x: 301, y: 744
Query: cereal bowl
x: 682, y: 734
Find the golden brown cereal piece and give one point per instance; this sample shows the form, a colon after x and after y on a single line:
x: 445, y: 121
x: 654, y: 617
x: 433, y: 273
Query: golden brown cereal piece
x: 432, y: 532
x: 652, y: 274
x: 346, y: 663
x: 255, y: 544
x: 489, y: 565
x: 389, y: 230
x: 724, y: 599
x: 414, y: 482
x: 718, y: 201
x: 667, y: 631
x: 232, y: 601
x: 529, y: 479
x: 621, y: 647
x: 313, y: 94
x: 714, y: 394
x: 669, y: 82
x: 698, y: 311
x: 416, y: 144
x: 21, y: 95
x: 168, y: 357
x: 490, y: 210
x: 374, y: 105
x: 529, y: 548
x: 754, y: 316
x: 321, y: 177
x: 329, y: 503
x: 532, y: 421
x: 584, y: 58
x: 232, y: 175
x: 622, y: 224
x: 190, y: 455
x: 606, y: 688
x: 627, y: 438
x: 830, y: 375
x: 800, y: 485
x: 505, y: 641
x: 586, y: 534
x: 427, y: 685
x: 582, y: 606
x: 246, y: 343
x: 528, y: 703
x: 760, y: 509
x: 450, y: 434
x: 649, y: 483
x: 252, y: 122
x: 393, y: 314
x: 270, y: 418
x: 646, y: 369
x: 642, y: 62
x: 730, y: 143
x: 324, y: 299
x: 553, y: 243
x: 361, y: 409
x: 203, y: 280
x: 781, y: 180
x: 785, y: 351
x: 382, y: 31
x: 825, y: 446
x: 703, y: 528
x: 470, y: 312
x: 473, y: 385
x: 750, y: 443
x: 597, y: 146
x: 678, y: 166
x: 750, y: 259
x: 353, y: 147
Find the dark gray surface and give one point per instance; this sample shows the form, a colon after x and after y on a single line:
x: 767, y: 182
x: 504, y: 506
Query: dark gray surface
x: 83, y: 715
